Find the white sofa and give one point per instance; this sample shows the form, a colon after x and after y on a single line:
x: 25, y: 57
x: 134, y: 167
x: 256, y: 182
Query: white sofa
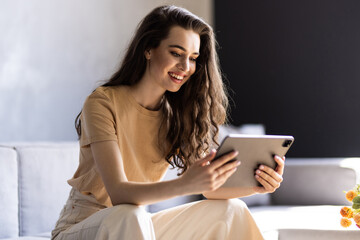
x: 306, y: 206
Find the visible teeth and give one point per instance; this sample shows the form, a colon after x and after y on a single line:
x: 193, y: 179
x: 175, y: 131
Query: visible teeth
x: 176, y: 76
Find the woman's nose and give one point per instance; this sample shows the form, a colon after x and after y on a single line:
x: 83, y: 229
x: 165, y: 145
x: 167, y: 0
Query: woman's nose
x: 184, y: 65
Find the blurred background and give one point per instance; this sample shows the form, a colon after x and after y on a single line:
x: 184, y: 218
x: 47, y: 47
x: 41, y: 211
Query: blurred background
x: 293, y: 66
x: 54, y: 53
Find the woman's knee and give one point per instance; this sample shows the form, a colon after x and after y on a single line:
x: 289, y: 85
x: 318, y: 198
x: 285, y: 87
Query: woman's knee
x: 229, y: 207
x: 237, y: 203
x: 126, y: 220
x: 129, y: 212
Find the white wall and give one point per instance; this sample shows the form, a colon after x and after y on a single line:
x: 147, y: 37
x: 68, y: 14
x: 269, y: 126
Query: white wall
x: 54, y: 53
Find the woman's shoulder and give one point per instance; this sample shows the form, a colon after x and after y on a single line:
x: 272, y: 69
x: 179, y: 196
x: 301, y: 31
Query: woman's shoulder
x: 109, y: 98
x: 109, y: 92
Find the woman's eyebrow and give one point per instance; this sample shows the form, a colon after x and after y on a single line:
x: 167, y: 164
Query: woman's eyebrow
x: 182, y: 48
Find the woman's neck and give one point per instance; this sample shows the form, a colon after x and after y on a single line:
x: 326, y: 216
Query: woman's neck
x: 147, y: 95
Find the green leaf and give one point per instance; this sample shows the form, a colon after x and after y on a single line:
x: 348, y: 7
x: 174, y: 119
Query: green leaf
x: 356, y: 203
x: 356, y: 206
x: 356, y: 199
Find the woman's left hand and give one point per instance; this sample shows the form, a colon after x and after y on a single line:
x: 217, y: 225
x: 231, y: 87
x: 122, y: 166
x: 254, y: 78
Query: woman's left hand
x: 269, y: 178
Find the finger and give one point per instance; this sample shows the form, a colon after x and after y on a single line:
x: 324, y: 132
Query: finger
x: 259, y: 189
x: 223, y: 159
x: 281, y: 164
x: 227, y: 167
x: 272, y: 180
x: 208, y: 158
x: 268, y: 187
x: 269, y: 171
x: 221, y: 179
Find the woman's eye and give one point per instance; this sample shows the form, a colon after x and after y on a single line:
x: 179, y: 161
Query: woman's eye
x: 175, y: 54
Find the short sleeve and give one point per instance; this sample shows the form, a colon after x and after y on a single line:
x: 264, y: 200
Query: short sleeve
x: 97, y: 119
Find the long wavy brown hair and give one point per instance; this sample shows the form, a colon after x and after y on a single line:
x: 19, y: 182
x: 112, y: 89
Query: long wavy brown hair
x: 192, y: 115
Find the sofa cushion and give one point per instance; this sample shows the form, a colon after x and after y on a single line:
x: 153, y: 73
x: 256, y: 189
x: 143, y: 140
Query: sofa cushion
x: 43, y: 172
x: 316, y: 181
x: 9, y: 222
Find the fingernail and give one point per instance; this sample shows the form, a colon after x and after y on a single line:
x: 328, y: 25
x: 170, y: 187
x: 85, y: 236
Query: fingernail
x: 258, y: 172
x: 238, y: 163
x: 261, y: 167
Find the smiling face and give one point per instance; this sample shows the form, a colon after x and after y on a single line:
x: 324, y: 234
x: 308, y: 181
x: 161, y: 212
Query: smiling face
x: 173, y: 62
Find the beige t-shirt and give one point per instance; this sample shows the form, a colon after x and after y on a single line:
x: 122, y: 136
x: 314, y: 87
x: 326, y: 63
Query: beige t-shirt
x: 111, y: 113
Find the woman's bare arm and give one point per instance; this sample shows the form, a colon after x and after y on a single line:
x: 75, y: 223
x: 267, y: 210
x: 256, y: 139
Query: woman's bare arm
x: 197, y: 179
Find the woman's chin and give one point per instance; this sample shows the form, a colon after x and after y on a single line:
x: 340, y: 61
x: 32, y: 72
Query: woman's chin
x: 173, y: 90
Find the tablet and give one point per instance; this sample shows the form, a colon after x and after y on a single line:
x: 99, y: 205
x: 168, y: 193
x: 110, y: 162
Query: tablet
x: 253, y: 151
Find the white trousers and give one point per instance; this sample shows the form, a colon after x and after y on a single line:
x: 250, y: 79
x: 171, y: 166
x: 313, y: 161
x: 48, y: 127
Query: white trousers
x: 202, y: 220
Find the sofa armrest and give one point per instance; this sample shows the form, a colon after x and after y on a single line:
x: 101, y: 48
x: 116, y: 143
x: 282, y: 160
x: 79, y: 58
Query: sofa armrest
x: 316, y: 181
x: 9, y: 221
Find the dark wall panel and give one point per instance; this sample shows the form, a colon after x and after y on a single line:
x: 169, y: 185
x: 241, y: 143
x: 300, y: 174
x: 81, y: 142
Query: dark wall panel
x: 295, y: 67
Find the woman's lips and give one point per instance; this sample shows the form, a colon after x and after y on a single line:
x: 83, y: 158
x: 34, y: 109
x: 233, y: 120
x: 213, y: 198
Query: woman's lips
x: 177, y: 78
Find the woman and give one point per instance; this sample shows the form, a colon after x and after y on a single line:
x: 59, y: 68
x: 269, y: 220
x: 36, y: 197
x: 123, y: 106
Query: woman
x: 162, y: 107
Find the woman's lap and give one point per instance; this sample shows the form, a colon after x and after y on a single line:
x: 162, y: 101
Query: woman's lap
x: 207, y: 219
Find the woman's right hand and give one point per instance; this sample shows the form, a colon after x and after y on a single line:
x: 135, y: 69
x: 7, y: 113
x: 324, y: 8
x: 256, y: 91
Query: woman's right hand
x: 207, y: 175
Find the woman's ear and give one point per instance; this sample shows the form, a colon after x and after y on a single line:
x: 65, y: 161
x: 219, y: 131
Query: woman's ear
x: 147, y: 54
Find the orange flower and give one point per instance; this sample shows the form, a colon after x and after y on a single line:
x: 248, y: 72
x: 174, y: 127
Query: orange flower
x: 357, y: 218
x: 346, y: 212
x: 350, y: 195
x: 345, y: 222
